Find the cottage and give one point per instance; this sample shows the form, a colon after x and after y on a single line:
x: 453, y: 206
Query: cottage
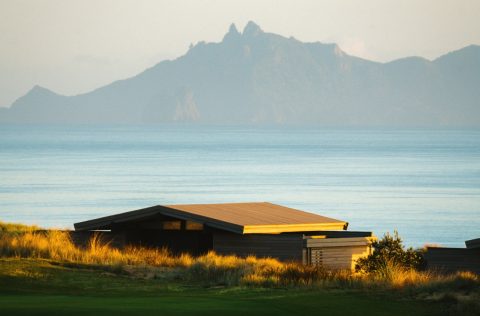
x: 260, y: 229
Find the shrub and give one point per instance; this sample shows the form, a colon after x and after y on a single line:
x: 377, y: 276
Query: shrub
x: 390, y: 252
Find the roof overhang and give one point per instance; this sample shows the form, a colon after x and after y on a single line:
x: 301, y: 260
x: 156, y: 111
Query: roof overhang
x: 108, y: 222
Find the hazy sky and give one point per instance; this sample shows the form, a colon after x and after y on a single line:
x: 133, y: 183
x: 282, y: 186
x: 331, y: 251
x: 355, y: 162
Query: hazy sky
x: 72, y: 47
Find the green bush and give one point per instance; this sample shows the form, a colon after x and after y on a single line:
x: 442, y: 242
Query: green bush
x: 390, y: 251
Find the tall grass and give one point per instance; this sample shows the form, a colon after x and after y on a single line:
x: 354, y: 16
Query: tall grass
x: 58, y: 245
x: 23, y: 242
x: 209, y: 268
x: 15, y: 228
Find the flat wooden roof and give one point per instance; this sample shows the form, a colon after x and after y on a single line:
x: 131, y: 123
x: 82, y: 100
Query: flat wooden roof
x: 241, y: 218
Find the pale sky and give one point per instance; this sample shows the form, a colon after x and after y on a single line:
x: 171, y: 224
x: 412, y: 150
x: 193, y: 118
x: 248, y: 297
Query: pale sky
x: 72, y: 47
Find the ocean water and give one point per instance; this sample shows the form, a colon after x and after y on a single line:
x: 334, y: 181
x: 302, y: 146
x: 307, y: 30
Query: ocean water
x: 423, y: 183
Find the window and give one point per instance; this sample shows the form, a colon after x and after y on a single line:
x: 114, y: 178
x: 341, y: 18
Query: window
x: 189, y: 225
x: 171, y: 225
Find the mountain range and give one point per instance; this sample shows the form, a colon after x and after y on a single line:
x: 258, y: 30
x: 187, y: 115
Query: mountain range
x: 255, y: 77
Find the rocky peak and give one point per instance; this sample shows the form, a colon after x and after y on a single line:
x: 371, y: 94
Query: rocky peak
x: 252, y: 29
x: 232, y: 33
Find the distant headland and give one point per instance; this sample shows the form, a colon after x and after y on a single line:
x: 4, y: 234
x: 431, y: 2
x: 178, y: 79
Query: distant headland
x: 255, y: 77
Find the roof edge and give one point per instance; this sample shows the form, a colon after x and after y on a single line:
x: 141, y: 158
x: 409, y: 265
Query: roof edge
x: 105, y: 221
x: 291, y: 228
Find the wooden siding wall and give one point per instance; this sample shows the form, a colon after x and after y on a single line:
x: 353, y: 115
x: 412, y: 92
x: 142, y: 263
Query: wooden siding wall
x: 182, y: 241
x: 453, y: 259
x: 333, y: 253
x: 285, y: 247
x: 81, y: 238
x: 337, y: 253
x: 193, y: 242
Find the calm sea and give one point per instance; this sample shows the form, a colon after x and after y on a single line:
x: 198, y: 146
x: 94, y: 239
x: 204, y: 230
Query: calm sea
x: 424, y: 183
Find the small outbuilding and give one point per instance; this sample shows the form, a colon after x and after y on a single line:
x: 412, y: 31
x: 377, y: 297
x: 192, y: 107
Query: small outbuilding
x: 455, y: 259
x: 261, y: 229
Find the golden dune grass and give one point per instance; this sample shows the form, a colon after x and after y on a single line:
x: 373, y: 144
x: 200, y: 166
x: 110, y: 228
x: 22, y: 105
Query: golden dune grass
x: 16, y: 228
x: 57, y: 245
x: 209, y: 268
x: 26, y: 242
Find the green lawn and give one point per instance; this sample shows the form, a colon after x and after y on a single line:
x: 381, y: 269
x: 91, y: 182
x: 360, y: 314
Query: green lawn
x: 34, y: 287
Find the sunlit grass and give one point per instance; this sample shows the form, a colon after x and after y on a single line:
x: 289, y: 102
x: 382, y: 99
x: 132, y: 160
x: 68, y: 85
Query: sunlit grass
x: 13, y: 228
x: 20, y: 241
x: 58, y: 245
